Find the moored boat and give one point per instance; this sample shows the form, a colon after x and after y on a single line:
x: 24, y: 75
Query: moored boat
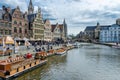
x: 13, y: 66
x: 61, y: 51
x: 51, y: 52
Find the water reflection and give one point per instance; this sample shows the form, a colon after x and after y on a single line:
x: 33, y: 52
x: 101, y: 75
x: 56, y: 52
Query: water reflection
x: 39, y: 73
x: 89, y: 62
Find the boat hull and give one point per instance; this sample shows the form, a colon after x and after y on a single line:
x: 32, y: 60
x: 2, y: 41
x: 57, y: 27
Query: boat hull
x: 21, y: 70
x: 60, y: 53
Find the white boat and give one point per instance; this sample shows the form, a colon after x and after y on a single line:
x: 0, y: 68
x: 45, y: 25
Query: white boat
x: 61, y: 53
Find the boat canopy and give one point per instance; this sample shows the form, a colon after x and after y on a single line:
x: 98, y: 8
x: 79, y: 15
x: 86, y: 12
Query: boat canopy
x: 7, y: 40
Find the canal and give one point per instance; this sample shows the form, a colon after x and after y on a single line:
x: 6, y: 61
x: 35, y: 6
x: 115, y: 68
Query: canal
x: 88, y: 62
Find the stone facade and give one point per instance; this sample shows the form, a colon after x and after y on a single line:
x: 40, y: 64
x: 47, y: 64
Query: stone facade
x: 36, y: 26
x: 56, y: 33
x: 47, y: 31
x: 5, y: 28
x: 5, y: 21
x: 30, y: 8
x: 90, y: 32
x: 19, y: 24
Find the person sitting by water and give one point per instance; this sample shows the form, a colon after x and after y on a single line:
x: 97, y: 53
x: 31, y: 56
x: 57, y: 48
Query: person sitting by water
x: 43, y: 48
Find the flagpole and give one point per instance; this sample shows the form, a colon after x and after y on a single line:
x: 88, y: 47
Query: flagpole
x: 3, y: 48
x: 14, y: 46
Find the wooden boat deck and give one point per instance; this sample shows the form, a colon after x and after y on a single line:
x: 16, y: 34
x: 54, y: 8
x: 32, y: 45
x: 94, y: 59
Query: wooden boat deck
x: 14, y: 66
x: 27, y: 67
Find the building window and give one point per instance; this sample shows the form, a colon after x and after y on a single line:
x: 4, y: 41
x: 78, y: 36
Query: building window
x: 25, y: 24
x: 15, y: 29
x: 9, y: 32
x: 1, y: 32
x: 25, y: 30
x: 10, y: 25
x: 5, y: 24
x: 20, y: 23
x: 6, y: 32
x: 15, y: 22
x: 20, y: 30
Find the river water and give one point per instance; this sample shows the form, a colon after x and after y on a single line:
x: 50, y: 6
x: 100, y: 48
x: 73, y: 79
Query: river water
x: 88, y: 62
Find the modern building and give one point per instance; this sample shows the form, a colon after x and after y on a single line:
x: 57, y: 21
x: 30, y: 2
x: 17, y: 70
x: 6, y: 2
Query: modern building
x: 19, y: 23
x: 47, y: 30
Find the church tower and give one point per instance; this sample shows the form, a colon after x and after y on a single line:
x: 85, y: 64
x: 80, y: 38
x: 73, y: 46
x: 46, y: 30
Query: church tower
x: 30, y: 8
x: 65, y: 29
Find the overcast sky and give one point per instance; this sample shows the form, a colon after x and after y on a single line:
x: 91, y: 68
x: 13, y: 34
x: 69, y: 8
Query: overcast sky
x: 78, y: 13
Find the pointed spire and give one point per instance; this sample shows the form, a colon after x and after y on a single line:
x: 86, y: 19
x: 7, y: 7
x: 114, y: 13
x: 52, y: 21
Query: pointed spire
x: 30, y: 1
x: 39, y: 9
x: 64, y: 20
x: 18, y: 7
x: 98, y: 23
x: 30, y: 7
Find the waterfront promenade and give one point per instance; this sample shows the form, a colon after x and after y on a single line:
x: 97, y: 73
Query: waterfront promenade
x: 23, y: 50
x: 88, y: 62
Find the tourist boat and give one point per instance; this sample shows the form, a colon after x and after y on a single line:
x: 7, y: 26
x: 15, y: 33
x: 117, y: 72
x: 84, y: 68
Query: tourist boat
x: 41, y: 55
x: 60, y: 51
x: 50, y: 52
x: 12, y: 67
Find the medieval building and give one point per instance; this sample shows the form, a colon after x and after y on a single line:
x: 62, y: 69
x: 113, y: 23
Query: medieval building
x: 30, y: 8
x: 36, y: 24
x: 5, y: 21
x: 47, y: 31
x: 19, y: 23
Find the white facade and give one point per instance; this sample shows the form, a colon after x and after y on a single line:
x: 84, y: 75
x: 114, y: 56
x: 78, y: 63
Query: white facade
x: 47, y: 31
x: 110, y: 34
x: 56, y: 34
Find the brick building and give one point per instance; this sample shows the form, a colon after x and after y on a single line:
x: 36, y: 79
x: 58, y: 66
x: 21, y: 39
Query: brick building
x: 19, y: 23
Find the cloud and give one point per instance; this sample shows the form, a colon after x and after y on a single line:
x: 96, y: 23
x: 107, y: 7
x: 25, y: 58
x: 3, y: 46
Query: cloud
x: 78, y: 13
x: 21, y: 3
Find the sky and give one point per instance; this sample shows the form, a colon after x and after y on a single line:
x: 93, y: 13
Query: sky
x: 78, y: 13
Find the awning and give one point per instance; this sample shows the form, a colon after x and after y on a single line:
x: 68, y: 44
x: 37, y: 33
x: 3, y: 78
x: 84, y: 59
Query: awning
x: 7, y: 40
